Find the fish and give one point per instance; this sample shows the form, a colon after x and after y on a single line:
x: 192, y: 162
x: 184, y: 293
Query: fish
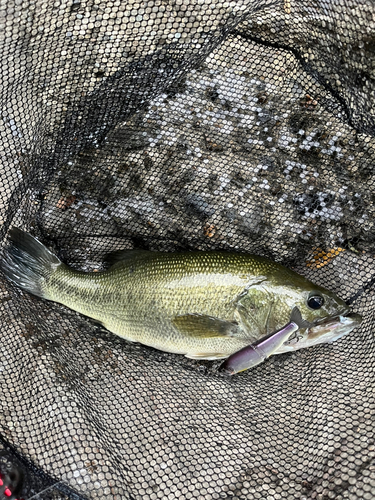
x: 204, y: 305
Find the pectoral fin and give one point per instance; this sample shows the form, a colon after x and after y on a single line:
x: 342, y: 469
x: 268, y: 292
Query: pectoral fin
x: 202, y: 326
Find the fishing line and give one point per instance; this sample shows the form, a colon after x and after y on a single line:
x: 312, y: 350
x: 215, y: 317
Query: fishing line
x: 360, y: 291
x: 46, y: 489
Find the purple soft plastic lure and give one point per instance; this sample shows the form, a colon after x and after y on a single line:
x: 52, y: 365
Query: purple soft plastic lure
x: 254, y: 354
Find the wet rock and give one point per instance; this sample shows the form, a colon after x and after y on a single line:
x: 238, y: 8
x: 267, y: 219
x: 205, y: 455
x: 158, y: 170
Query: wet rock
x: 252, y: 224
x: 198, y: 206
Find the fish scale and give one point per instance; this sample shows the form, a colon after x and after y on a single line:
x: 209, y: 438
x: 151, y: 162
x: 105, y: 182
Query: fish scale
x: 200, y: 304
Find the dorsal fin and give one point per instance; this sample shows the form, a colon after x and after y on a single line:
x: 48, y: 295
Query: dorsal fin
x: 124, y: 255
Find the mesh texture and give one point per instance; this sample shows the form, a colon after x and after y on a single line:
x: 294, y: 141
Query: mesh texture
x: 197, y: 125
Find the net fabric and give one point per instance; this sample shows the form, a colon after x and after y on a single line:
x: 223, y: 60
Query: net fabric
x: 20, y: 479
x: 189, y: 125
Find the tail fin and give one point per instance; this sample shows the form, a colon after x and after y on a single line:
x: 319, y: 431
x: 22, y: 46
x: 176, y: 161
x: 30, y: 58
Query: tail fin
x: 27, y: 262
x: 296, y: 318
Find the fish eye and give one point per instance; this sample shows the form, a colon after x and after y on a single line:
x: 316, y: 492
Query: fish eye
x: 315, y: 301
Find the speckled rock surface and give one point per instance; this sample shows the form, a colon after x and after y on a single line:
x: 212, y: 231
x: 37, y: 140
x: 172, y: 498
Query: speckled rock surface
x: 220, y: 159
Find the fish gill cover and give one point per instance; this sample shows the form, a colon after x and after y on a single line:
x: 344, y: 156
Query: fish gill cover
x: 187, y: 125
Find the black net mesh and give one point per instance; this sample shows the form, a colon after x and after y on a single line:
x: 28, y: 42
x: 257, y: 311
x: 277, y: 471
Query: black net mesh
x: 199, y: 125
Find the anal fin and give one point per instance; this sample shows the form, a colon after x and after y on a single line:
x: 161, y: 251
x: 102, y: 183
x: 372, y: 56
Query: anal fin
x: 207, y: 355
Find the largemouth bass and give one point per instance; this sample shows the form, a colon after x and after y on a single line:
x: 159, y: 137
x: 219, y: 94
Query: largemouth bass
x: 201, y: 304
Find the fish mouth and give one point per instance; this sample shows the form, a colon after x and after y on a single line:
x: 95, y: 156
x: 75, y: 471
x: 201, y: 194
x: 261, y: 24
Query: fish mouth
x: 345, y: 312
x: 334, y: 327
x: 326, y: 330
